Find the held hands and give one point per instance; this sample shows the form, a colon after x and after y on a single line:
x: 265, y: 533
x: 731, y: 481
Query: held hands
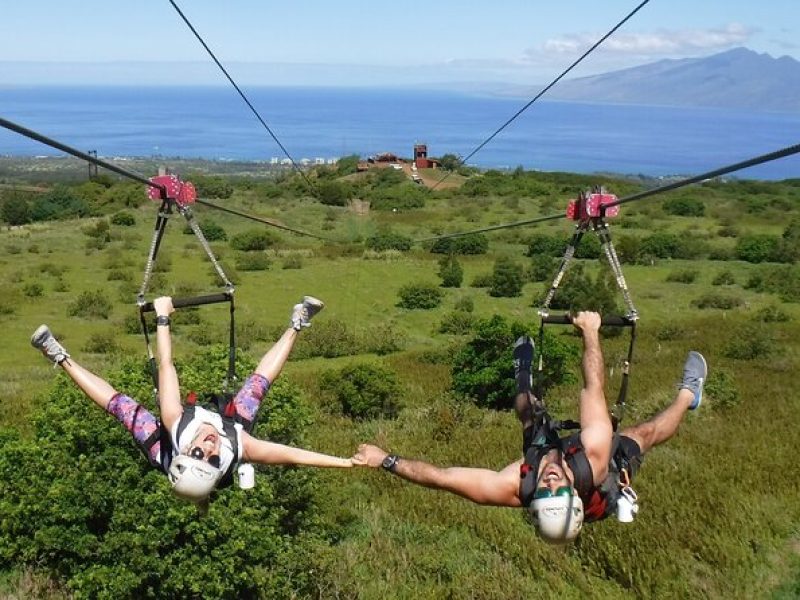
x: 587, y: 321
x: 163, y: 306
x: 369, y: 456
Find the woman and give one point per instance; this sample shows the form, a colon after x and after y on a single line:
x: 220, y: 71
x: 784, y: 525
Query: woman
x: 197, y: 448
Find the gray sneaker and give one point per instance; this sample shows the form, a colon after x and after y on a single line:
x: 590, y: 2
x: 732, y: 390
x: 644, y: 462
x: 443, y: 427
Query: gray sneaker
x: 523, y: 363
x: 302, y: 313
x: 695, y: 371
x: 44, y: 340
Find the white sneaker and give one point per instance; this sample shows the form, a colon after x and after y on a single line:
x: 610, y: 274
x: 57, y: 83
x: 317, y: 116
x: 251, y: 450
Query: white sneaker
x: 44, y: 340
x: 302, y: 313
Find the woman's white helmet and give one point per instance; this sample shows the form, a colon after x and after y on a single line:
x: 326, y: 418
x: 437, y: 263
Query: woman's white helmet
x: 192, y: 479
x: 558, y: 519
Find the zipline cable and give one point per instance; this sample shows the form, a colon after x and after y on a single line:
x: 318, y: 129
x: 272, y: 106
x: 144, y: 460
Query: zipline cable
x: 545, y: 90
x: 261, y: 220
x: 246, y: 100
x: 28, y: 133
x: 782, y: 153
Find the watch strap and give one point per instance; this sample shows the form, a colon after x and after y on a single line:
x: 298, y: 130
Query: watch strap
x: 162, y: 320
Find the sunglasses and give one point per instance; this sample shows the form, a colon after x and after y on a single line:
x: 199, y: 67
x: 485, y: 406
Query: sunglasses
x: 198, y: 453
x: 545, y: 492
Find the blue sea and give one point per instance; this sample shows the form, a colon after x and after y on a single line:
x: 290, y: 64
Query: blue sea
x: 312, y: 122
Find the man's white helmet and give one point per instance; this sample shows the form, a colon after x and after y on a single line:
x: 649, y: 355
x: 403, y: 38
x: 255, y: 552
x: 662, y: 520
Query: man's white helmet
x: 192, y: 479
x: 558, y: 518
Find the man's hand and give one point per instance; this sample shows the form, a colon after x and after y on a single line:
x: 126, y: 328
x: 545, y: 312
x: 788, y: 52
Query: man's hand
x: 369, y: 456
x: 163, y: 306
x: 587, y: 321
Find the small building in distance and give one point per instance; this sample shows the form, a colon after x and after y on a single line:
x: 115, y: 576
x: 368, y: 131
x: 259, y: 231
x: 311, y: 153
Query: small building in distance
x: 421, y: 160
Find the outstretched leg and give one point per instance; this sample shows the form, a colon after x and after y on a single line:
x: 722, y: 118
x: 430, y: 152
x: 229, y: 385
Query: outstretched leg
x: 271, y: 364
x: 526, y: 405
x: 665, y: 424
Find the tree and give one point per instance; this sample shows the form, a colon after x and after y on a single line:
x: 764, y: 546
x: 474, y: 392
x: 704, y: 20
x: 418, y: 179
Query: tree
x: 507, y: 278
x: 450, y: 162
x: 333, y: 193
x: 16, y: 210
x: 450, y: 271
x: 419, y: 295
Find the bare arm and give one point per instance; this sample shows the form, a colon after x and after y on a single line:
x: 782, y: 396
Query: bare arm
x: 169, y: 395
x: 482, y: 486
x: 596, y: 430
x: 270, y: 453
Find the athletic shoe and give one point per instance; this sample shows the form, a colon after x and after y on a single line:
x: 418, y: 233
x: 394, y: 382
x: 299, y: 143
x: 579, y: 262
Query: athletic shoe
x: 695, y: 371
x: 302, y: 313
x: 44, y: 340
x: 523, y: 363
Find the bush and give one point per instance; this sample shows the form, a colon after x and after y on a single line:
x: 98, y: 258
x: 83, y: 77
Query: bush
x: 714, y: 300
x: 253, y: 240
x: 670, y: 245
x: 252, y: 261
x: 483, y: 370
x: 293, y: 261
x: 419, y: 296
x: 212, y: 231
x: 210, y: 186
x: 458, y: 322
x: 781, y: 280
x: 123, y: 218
x: 541, y: 244
x: 578, y: 291
x: 33, y: 289
x: 102, y: 343
x: 90, y: 305
x: 683, y: 276
x: 388, y: 240
x: 541, y: 268
x: 669, y: 332
x: 451, y: 272
x: 363, y: 390
x: 724, y: 278
x: 772, y: 314
x: 483, y: 280
x: 119, y: 275
x: 721, y: 389
x: 757, y: 248
x: 465, y: 304
x: 334, y: 193
x: 106, y: 522
x: 507, y: 278
x: 749, y: 343
x: 328, y: 338
x: 475, y: 243
x: 684, y: 207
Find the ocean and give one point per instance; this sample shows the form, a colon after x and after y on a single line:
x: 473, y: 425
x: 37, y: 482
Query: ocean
x: 312, y: 123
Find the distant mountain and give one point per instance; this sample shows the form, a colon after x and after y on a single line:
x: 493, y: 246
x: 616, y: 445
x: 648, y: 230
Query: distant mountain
x: 738, y: 78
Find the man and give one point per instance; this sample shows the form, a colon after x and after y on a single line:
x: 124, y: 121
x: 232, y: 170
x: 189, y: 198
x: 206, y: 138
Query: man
x: 198, y: 449
x: 561, y: 481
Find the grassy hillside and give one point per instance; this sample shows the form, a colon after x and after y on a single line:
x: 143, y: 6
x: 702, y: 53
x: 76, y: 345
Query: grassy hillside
x: 720, y: 508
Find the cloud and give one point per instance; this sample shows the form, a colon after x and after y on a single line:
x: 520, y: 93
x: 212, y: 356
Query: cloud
x: 660, y: 43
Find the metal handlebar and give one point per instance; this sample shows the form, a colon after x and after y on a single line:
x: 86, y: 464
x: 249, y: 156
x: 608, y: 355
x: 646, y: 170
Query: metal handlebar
x: 195, y: 301
x: 607, y: 321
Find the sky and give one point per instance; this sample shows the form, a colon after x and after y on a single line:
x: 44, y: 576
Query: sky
x: 318, y: 42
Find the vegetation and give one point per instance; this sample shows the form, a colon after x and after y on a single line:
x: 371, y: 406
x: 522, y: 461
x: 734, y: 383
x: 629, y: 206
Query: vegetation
x: 82, y: 515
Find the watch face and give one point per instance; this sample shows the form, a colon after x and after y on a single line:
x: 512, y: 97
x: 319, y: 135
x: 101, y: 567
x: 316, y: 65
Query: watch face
x: 389, y: 461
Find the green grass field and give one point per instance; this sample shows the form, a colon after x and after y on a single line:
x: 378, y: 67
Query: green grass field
x: 719, y: 503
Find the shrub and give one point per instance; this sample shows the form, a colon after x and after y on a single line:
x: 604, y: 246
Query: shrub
x: 252, y: 261
x: 465, y: 304
x: 388, y: 240
x: 419, y: 296
x: 483, y: 280
x: 457, y: 322
x: 123, y: 218
x: 749, y: 343
x: 541, y: 268
x: 107, y: 523
x: 363, y: 390
x: 757, y: 248
x: 210, y: 186
x: 714, y: 300
x: 670, y: 245
x: 334, y: 193
x: 34, y: 289
x: 252, y: 240
x: 724, y: 278
x: 328, y: 338
x: 507, y: 278
x: 119, y: 275
x: 589, y: 247
x: 102, y: 343
x: 100, y: 230
x: 669, y: 332
x: 683, y: 276
x: 721, y: 389
x: 293, y: 261
x: 782, y: 280
x: 212, y: 231
x: 90, y: 305
x: 578, y: 291
x: 450, y: 271
x: 684, y: 207
x: 483, y: 370
x: 772, y: 314
x: 475, y: 243
x: 541, y: 244
x: 380, y: 339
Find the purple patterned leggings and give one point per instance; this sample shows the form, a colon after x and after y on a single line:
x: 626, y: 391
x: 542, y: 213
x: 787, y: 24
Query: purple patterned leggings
x: 142, y: 424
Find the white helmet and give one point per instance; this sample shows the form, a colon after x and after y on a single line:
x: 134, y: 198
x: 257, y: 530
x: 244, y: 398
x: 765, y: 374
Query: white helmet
x: 558, y: 518
x: 192, y: 479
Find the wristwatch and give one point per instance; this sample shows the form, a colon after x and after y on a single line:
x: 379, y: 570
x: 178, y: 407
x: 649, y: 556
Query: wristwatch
x: 390, y: 462
x: 162, y: 320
